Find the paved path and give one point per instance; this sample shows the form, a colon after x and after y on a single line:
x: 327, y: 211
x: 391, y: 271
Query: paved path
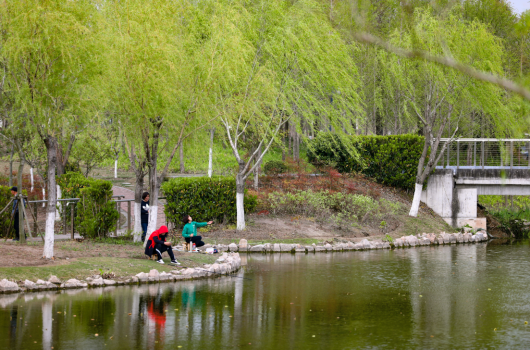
x: 129, y: 194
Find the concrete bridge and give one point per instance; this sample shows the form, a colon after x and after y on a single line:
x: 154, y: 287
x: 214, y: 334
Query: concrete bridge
x: 473, y: 167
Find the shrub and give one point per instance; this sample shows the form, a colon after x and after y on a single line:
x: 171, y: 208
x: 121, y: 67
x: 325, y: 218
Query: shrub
x: 341, y: 209
x: 274, y: 167
x: 390, y: 160
x: 5, y: 217
x: 5, y: 197
x: 95, y: 213
x: 204, y: 199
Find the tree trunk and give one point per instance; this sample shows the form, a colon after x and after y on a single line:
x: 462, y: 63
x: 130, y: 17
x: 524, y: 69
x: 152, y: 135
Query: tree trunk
x: 138, y: 189
x: 21, y: 217
x: 240, y: 195
x: 51, y: 148
x: 31, y: 177
x: 154, y: 189
x: 58, y: 206
x: 11, y: 166
x: 116, y: 168
x: 181, y: 152
x: 256, y: 171
x: 416, y: 201
x: 210, y: 155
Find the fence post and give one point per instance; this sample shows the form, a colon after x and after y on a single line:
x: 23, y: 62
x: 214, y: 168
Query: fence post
x: 63, y: 207
x: 475, y: 153
x: 482, y: 155
x: 511, y: 154
x: 22, y: 234
x: 129, y: 216
x: 74, y: 205
x: 35, y: 225
x: 118, y: 224
x: 448, y: 146
x: 457, y: 155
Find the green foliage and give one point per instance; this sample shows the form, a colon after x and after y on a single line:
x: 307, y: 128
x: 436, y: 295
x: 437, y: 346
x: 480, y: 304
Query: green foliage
x: 391, y: 160
x: 95, y: 213
x: 341, y: 209
x: 513, y: 222
x: 5, y: 197
x: 274, y: 167
x: 203, y: 199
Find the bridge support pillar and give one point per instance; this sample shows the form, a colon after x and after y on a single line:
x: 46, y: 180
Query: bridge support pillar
x: 457, y: 206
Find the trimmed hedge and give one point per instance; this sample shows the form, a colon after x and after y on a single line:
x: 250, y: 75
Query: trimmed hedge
x: 95, y: 213
x: 275, y: 167
x: 204, y: 199
x: 390, y: 160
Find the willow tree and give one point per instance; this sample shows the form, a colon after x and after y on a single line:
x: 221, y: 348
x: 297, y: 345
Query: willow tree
x: 157, y: 75
x: 47, y: 47
x: 292, y: 66
x: 439, y: 97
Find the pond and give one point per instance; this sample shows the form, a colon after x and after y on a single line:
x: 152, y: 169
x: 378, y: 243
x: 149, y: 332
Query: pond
x: 474, y: 295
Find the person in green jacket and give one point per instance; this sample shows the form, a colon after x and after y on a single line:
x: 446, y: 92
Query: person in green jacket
x: 189, y: 232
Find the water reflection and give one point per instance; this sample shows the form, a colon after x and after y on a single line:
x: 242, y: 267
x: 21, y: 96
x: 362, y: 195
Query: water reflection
x: 427, y: 297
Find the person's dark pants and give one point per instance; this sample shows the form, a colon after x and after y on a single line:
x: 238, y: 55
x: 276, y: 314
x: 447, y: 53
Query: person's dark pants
x: 17, y: 233
x: 144, y: 230
x: 160, y: 248
x: 195, y: 239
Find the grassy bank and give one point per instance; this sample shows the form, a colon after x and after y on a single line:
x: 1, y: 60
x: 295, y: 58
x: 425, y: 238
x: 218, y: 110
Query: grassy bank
x: 81, y: 260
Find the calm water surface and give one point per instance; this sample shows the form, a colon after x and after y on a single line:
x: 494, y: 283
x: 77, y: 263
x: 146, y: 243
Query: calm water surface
x: 465, y: 296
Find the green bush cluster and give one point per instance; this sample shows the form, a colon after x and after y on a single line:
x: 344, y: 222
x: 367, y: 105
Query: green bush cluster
x: 95, y: 213
x: 275, y: 167
x: 390, y: 160
x: 5, y: 197
x: 341, y: 209
x: 204, y: 199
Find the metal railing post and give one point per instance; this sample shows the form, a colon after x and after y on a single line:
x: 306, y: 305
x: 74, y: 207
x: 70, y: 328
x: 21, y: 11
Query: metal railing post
x: 475, y: 154
x: 74, y: 205
x: 35, y: 224
x: 511, y: 154
x: 501, y: 148
x: 129, y: 216
x: 63, y: 207
x: 457, y: 155
x: 448, y: 145
x: 482, y: 155
x: 117, y: 224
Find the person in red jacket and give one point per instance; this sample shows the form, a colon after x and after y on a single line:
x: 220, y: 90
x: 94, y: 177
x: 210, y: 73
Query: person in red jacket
x: 157, y: 245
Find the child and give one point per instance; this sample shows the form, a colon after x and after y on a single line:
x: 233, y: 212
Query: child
x: 157, y: 244
x: 190, y: 230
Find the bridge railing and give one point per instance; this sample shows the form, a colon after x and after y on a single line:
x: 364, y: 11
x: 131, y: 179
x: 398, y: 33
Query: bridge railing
x: 474, y: 153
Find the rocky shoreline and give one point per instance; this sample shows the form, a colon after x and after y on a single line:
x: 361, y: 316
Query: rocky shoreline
x: 230, y: 261
x: 402, y: 242
x: 226, y: 264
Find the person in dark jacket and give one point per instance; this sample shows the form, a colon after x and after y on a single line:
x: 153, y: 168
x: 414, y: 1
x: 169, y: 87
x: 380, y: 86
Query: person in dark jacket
x: 14, y: 213
x: 144, y: 211
x: 157, y: 245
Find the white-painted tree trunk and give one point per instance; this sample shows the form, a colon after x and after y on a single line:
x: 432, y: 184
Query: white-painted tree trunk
x: 210, y: 163
x: 116, y: 169
x: 58, y: 206
x: 210, y: 156
x: 151, y: 226
x: 31, y: 177
x: 416, y: 201
x: 49, y: 235
x: 240, y: 211
x: 137, y: 222
x: 43, y: 196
